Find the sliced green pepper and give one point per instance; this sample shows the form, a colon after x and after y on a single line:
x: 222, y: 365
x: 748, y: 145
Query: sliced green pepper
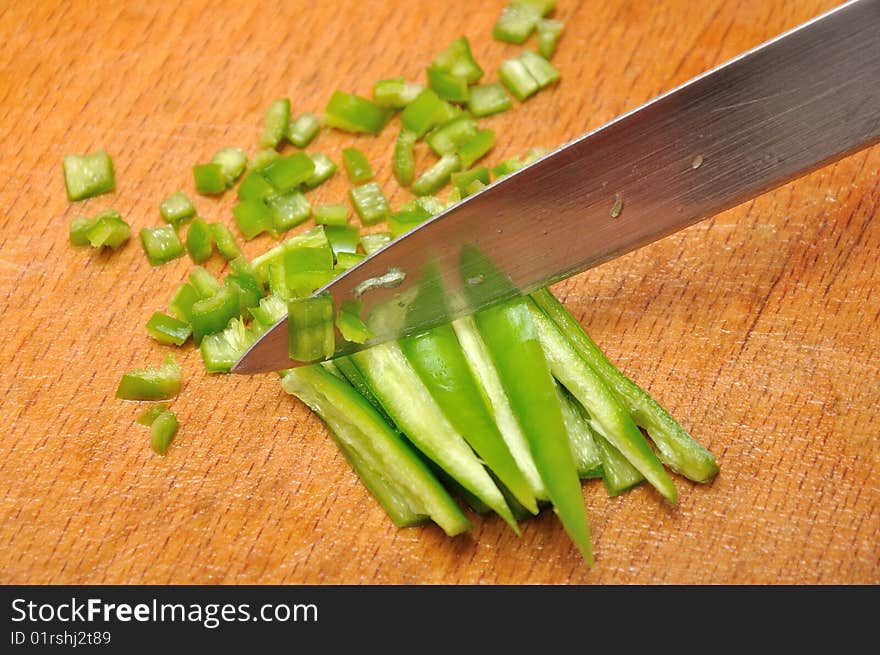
x: 86, y: 176
x: 161, y: 244
x: 104, y: 230
x: 458, y: 61
x: 516, y: 77
x: 276, y: 122
x: 303, y: 129
x: 404, y: 163
x: 221, y: 350
x: 162, y: 431
x: 310, y: 328
x: 488, y: 99
x: 176, y: 208
x: 213, y: 314
x: 324, y: 170
x: 549, y: 31
x: 182, y: 301
x: 375, y: 241
x: 155, y: 383
x: 352, y: 113
x: 199, y: 240
x: 225, y: 241
x: 449, y: 137
x: 255, y: 187
x: 436, y: 177
x: 423, y: 113
x: 203, y: 282
x: 342, y: 238
x: 288, y: 210
x: 448, y: 86
x: 395, y: 92
x: 356, y: 165
x: 333, y: 213
x: 210, y: 179
x: 168, y: 330
x: 369, y: 202
x: 253, y: 217
x: 232, y: 162
x: 287, y: 173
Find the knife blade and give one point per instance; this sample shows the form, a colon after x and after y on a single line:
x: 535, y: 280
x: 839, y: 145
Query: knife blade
x: 789, y: 106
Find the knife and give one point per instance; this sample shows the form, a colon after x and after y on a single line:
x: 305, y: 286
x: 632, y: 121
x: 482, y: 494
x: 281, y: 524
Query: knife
x: 793, y: 104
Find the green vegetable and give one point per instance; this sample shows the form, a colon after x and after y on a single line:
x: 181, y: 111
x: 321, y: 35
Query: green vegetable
x: 463, y: 179
x: 390, y: 468
x: 253, y: 217
x: 511, y: 338
x: 176, y: 208
x: 476, y: 148
x: 356, y: 165
x: 539, y: 68
x: 423, y: 113
x: 168, y: 330
x: 288, y: 210
x: 162, y: 431
x: 617, y: 473
x: 375, y: 241
x: 342, y: 238
x: 449, y: 137
x: 369, y: 202
x: 222, y: 349
x: 331, y: 214
x: 104, y: 230
x: 147, y: 416
x: 507, y: 167
x: 586, y: 454
x: 395, y: 92
x: 204, y: 284
x: 209, y: 179
x: 516, y: 77
x: 182, y: 301
x: 406, y: 400
x: 549, y: 31
x: 310, y: 328
x: 448, y: 86
x: 676, y: 448
x: 199, y: 240
x: 519, y: 19
x: 404, y: 220
x: 276, y: 122
x: 262, y: 158
x: 287, y: 173
x: 213, y: 314
x: 86, y: 176
x: 232, y: 162
x: 353, y: 113
x: 350, y: 325
x: 324, y: 170
x: 488, y: 99
x: 345, y: 260
x: 155, y: 383
x: 225, y: 241
x: 404, y: 163
x: 161, y: 244
x: 436, y: 177
x: 303, y: 129
x: 255, y: 187
x: 458, y: 61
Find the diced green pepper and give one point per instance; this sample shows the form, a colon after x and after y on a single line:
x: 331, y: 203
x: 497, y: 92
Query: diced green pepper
x: 375, y: 241
x: 350, y: 325
x: 458, y: 61
x: 488, y: 99
x: 450, y: 136
x: 199, y: 240
x: 356, y: 165
x: 476, y: 148
x: 213, y: 314
x: 182, y: 301
x: 404, y: 220
x: 539, y: 68
x: 448, y: 86
x: 225, y: 241
x: 436, y: 177
x: 517, y: 79
x: 310, y: 326
x: 104, y: 230
x: 507, y: 167
x: 262, y: 158
x: 324, y: 170
x: 86, y: 176
x: 161, y: 244
x: 209, y: 179
x: 331, y: 214
x: 162, y: 431
x: 287, y: 173
x: 369, y: 202
x: 253, y: 218
x: 255, y: 187
x: 232, y: 162
x: 303, y: 130
x: 147, y: 416
x: 519, y: 19
x: 423, y: 113
x: 176, y: 208
x: 549, y: 31
x: 270, y: 310
x: 205, y: 284
x: 288, y: 210
x: 395, y: 92
x: 168, y: 330
x: 342, y: 238
x: 345, y: 260
x: 463, y: 179
x: 155, y: 383
x: 221, y: 350
x: 404, y: 164
x: 276, y: 122
x: 352, y: 113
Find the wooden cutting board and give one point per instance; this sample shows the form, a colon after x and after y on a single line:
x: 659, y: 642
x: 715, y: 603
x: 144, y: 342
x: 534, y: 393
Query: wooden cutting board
x: 758, y: 329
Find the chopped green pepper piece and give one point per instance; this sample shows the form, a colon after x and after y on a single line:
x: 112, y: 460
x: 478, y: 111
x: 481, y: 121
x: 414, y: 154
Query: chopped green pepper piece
x: 451, y: 135
x: 463, y: 179
x: 549, y: 31
x: 324, y: 170
x: 221, y: 350
x: 310, y: 326
x: 301, y: 271
x: 232, y: 162
x: 519, y: 19
x: 225, y: 241
x: 176, y: 208
x: 248, y: 290
x: 255, y: 187
x: 312, y: 238
x: 458, y: 61
x: 288, y: 210
x: 213, y: 314
x: 271, y: 309
x: 275, y: 123
x: 345, y: 260
x: 539, y: 68
x: 86, y: 176
x: 431, y: 204
x: 287, y: 173
x: 168, y: 330
x: 147, y: 416
x: 79, y: 230
x: 303, y: 130
x: 209, y: 179
x: 154, y: 383
x: 392, y: 470
x: 252, y: 217
x: 375, y: 241
x: 404, y: 220
x: 475, y: 149
x: 162, y: 431
x: 350, y: 325
x: 205, y: 284
x: 369, y: 202
x: 331, y: 214
x: 161, y: 244
x: 448, y: 86
x: 106, y: 229
x: 436, y: 177
x: 342, y: 238
x: 423, y: 113
x: 404, y: 164
x: 199, y: 240
x: 395, y: 92
x: 488, y: 99
x: 262, y: 158
x: 516, y: 77
x: 182, y: 301
x: 356, y: 165
x: 507, y: 167
x: 352, y: 113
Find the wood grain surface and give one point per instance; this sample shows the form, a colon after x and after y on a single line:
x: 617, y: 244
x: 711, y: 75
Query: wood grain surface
x: 759, y: 329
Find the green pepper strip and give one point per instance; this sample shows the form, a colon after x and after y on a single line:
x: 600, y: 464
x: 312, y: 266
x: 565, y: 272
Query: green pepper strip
x: 618, y: 474
x: 404, y: 164
x: 199, y: 240
x: 511, y: 337
x: 677, y: 449
x: 585, y: 384
x: 303, y: 130
x: 162, y: 431
x: 389, y: 467
x: 225, y: 241
x: 439, y: 361
x: 583, y: 446
x: 276, y: 122
x: 405, y: 398
x: 357, y: 166
x: 155, y: 383
x: 369, y: 202
x: 436, y: 177
x: 89, y: 175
